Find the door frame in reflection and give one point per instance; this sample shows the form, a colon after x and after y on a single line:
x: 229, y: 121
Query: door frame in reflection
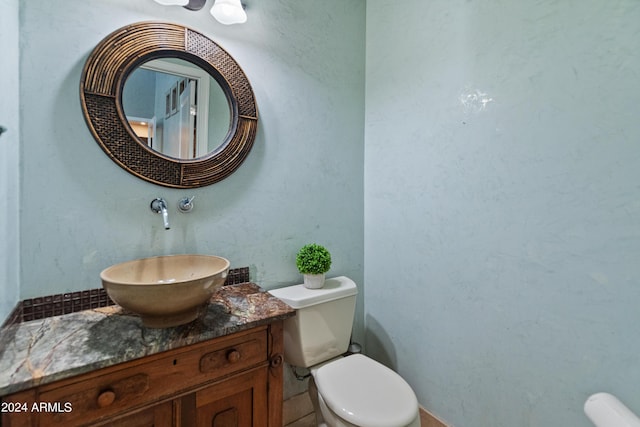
x: 201, y: 146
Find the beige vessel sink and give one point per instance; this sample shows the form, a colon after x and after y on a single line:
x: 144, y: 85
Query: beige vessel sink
x: 166, y: 290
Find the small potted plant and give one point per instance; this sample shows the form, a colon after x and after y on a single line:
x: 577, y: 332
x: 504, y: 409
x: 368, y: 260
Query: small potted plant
x: 313, y: 261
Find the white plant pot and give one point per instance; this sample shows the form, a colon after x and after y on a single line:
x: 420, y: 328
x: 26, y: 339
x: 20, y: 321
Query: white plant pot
x: 313, y: 281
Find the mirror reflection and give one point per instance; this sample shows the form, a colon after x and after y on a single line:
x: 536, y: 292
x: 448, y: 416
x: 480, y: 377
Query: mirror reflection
x: 176, y: 108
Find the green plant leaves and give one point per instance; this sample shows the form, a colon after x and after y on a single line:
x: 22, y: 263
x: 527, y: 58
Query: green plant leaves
x: 313, y: 259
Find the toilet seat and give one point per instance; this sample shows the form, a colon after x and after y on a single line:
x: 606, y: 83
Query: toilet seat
x: 364, y: 392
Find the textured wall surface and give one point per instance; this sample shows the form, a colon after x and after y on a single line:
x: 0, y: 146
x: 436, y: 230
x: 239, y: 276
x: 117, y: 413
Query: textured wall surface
x: 501, y: 197
x: 302, y: 182
x: 9, y: 156
x: 502, y: 205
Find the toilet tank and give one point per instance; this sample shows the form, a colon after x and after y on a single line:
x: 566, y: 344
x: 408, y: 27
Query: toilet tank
x: 321, y: 328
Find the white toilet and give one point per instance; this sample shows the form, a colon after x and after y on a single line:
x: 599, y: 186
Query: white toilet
x: 350, y: 391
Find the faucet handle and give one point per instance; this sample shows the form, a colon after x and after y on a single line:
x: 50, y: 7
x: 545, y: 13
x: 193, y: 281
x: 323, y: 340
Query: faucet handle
x: 186, y: 204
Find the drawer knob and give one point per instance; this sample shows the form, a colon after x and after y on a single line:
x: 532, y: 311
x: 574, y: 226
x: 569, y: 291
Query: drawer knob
x: 233, y: 356
x: 106, y: 398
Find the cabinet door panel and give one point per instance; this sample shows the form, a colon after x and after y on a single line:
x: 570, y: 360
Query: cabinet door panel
x: 240, y: 401
x: 232, y: 411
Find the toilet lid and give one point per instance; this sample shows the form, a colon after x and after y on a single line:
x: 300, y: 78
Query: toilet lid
x: 366, y: 393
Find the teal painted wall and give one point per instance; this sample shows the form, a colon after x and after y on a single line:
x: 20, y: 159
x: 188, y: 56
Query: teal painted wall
x: 499, y: 183
x: 302, y: 182
x: 502, y: 205
x: 9, y: 156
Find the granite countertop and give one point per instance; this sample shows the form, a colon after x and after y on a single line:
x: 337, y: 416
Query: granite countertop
x: 42, y: 351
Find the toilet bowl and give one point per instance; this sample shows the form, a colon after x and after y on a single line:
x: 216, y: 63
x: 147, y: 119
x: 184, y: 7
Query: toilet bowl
x: 349, y: 391
x: 358, y: 391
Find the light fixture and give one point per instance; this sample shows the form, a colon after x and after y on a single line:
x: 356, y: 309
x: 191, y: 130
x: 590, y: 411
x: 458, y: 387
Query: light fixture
x: 226, y: 12
x: 229, y: 12
x: 173, y: 2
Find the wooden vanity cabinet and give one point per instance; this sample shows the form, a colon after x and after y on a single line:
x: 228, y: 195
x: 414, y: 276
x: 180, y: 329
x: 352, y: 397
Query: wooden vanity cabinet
x: 235, y: 380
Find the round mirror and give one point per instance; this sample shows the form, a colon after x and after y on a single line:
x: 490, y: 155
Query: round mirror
x: 176, y: 108
x: 168, y: 105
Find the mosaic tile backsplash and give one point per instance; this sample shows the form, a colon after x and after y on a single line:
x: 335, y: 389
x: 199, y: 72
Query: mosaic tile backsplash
x: 71, y: 302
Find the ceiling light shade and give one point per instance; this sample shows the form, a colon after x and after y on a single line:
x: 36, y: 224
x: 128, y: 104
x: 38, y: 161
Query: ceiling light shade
x: 228, y: 12
x: 173, y: 2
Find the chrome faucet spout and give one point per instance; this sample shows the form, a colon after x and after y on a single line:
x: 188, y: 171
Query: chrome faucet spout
x: 165, y: 218
x: 158, y: 205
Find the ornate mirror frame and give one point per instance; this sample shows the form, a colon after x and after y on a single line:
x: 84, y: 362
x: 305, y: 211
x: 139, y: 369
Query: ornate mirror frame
x: 103, y: 78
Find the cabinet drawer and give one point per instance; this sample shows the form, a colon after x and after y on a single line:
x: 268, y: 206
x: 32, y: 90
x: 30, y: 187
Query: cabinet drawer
x: 232, y: 358
x: 110, y: 391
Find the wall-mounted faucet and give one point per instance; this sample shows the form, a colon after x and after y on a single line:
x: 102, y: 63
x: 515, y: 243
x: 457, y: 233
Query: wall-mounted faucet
x: 158, y: 205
